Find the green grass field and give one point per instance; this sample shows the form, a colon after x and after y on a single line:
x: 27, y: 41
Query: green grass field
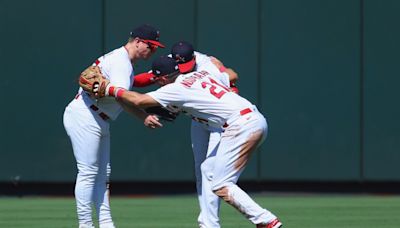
x: 295, y: 211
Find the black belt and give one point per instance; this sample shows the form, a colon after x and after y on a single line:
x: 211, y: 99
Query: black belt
x: 101, y: 114
x: 95, y: 108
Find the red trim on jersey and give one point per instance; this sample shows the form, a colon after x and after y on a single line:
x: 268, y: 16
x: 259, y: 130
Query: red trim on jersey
x: 245, y: 111
x: 97, y: 62
x: 143, y: 79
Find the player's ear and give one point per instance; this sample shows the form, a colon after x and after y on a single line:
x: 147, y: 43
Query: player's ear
x: 131, y: 39
x: 135, y: 40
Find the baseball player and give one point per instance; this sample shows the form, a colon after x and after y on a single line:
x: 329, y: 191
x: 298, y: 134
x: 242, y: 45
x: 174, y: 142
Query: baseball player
x: 203, y: 97
x: 86, y: 121
x: 204, y: 138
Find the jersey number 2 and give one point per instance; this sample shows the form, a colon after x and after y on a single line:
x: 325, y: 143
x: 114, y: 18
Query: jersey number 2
x: 213, y: 87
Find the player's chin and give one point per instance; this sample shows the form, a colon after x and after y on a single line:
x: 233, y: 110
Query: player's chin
x: 147, y: 55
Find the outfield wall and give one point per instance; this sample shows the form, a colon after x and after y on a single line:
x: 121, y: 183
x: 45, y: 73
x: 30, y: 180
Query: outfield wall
x: 324, y: 73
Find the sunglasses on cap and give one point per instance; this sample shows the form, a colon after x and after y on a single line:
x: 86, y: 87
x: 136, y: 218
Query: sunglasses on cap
x: 150, y: 45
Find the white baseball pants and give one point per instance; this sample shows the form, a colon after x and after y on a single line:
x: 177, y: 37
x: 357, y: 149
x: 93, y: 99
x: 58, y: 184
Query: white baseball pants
x: 242, y: 137
x: 205, y: 141
x: 90, y: 138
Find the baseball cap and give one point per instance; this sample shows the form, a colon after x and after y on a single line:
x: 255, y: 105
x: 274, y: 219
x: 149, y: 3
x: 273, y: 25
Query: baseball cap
x: 164, y: 65
x: 183, y: 53
x: 147, y: 33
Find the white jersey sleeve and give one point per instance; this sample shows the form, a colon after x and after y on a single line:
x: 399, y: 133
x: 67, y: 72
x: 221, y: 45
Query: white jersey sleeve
x: 203, y: 62
x: 201, y: 58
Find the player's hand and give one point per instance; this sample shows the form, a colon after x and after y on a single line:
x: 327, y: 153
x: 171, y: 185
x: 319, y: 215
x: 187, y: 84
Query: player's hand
x: 152, y: 122
x: 234, y: 89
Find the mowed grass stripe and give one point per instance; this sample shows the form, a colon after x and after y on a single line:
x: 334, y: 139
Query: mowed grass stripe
x: 295, y: 211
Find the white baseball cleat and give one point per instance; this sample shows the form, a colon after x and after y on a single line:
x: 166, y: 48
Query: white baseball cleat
x: 273, y: 224
x: 85, y: 226
x: 107, y: 225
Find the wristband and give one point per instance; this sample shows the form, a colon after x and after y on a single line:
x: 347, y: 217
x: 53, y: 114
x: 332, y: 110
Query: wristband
x: 119, y: 92
x: 110, y: 90
x: 222, y: 68
x: 113, y: 91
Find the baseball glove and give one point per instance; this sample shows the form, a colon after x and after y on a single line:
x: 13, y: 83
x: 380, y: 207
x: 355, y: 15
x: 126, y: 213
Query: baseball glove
x: 93, y: 81
x: 162, y: 113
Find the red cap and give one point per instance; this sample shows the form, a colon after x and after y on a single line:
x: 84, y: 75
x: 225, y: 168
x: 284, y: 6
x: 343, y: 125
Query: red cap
x: 156, y: 43
x: 187, y: 67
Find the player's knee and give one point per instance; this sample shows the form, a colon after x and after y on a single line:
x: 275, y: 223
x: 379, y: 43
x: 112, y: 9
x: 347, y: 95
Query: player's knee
x: 224, y: 194
x: 88, y: 170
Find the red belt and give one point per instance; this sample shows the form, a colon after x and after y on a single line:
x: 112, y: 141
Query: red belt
x: 204, y: 121
x: 101, y: 114
x: 245, y: 111
x: 242, y: 113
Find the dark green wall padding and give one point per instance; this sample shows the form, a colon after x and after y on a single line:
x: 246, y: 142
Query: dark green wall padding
x: 324, y: 73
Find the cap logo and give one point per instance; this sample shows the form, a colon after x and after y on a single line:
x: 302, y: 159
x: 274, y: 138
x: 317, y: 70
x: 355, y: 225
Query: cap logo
x: 157, y: 35
x: 180, y: 59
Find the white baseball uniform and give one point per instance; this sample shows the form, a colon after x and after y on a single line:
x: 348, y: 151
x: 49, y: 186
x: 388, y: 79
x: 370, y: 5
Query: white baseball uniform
x: 205, y: 140
x: 86, y: 121
x: 203, y: 97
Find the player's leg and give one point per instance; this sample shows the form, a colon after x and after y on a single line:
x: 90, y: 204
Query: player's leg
x: 237, y: 143
x: 199, y: 137
x: 211, y: 201
x: 101, y: 191
x: 85, y: 134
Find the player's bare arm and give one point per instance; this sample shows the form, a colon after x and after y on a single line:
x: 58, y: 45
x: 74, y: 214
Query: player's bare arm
x: 233, y: 76
x: 135, y: 102
x: 151, y: 121
x: 136, y: 99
